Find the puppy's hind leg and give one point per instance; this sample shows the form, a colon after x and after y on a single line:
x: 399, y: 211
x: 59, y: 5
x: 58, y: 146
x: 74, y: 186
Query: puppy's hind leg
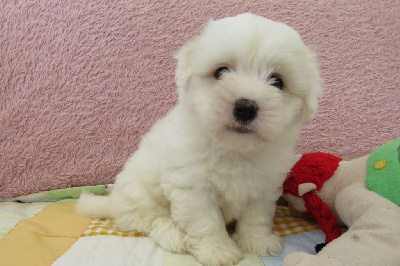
x: 134, y: 208
x: 147, y: 211
x: 154, y: 218
x: 167, y: 234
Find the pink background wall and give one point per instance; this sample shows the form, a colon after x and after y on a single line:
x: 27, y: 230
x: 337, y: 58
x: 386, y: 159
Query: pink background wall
x: 81, y: 83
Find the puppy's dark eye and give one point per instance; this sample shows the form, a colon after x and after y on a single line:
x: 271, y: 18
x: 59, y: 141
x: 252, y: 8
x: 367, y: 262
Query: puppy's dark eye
x: 276, y: 81
x: 218, y: 73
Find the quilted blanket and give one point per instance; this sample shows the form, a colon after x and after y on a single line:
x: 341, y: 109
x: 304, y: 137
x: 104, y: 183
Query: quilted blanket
x: 43, y: 229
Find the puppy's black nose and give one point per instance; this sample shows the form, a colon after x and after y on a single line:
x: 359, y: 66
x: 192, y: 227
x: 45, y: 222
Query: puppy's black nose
x: 245, y: 110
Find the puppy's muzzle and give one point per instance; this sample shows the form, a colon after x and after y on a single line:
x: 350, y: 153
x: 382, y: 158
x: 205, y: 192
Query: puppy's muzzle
x: 245, y: 111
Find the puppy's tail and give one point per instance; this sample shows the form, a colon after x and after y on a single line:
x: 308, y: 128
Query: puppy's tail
x: 93, y: 206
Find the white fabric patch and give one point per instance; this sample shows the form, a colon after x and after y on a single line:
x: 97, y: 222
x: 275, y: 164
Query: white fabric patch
x: 11, y: 213
x: 112, y: 250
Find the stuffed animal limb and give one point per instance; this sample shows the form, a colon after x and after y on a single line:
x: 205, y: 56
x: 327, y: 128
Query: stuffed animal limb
x: 370, y: 240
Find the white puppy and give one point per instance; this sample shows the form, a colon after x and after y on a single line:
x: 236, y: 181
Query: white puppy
x: 245, y: 86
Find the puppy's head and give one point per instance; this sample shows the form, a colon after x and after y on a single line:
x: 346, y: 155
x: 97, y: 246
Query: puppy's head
x: 249, y: 81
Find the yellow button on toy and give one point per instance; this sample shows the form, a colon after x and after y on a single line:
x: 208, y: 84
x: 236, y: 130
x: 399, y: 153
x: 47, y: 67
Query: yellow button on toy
x: 380, y: 164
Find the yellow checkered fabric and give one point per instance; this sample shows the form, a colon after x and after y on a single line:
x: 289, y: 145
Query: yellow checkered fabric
x: 284, y: 224
x: 106, y: 227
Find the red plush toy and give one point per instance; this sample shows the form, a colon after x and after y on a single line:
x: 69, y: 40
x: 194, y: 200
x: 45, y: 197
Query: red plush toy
x: 314, y: 169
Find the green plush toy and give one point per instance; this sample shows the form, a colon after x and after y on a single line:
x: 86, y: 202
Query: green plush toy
x: 383, y: 171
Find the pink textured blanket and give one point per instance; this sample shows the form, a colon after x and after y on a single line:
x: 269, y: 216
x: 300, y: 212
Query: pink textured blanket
x: 82, y: 81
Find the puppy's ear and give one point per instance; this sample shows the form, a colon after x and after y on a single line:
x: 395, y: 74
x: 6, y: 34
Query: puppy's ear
x: 314, y: 90
x: 311, y: 107
x: 183, y: 70
x: 185, y: 57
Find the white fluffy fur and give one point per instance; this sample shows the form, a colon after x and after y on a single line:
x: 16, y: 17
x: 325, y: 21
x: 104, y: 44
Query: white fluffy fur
x: 191, y: 175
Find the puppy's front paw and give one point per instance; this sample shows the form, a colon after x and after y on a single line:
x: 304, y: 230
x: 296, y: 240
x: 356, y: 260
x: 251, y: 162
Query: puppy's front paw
x: 210, y: 252
x: 226, y: 255
x: 266, y: 245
